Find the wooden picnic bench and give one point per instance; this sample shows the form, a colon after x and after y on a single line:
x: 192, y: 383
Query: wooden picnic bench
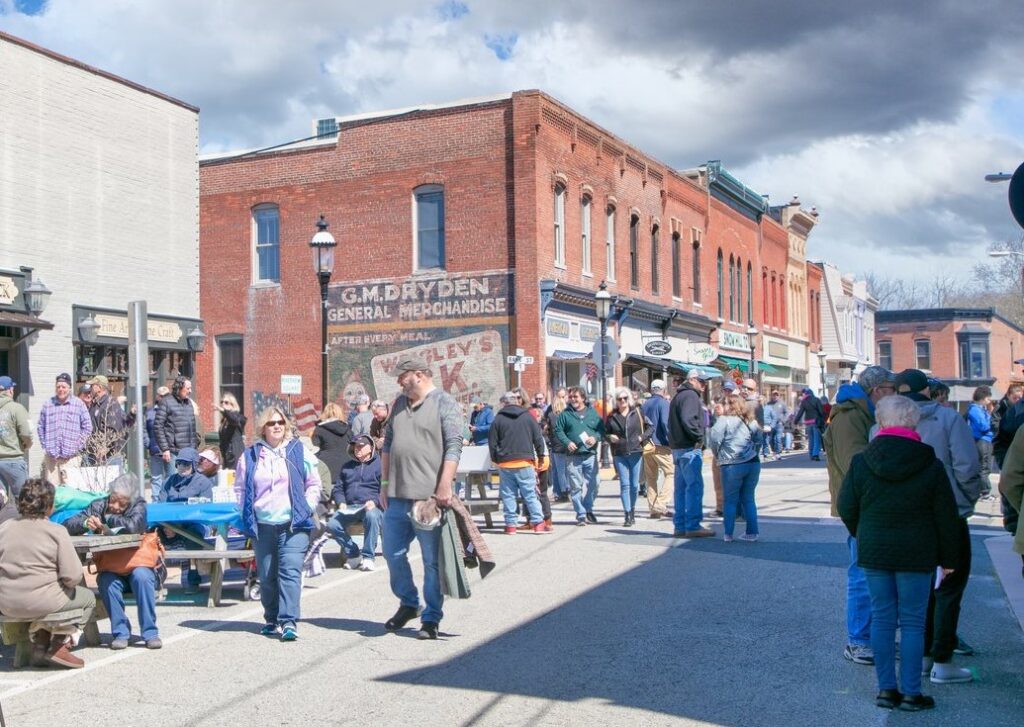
x: 15, y: 631
x: 483, y: 504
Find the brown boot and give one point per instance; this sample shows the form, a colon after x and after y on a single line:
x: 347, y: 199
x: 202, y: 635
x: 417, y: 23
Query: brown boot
x: 61, y: 655
x: 40, y: 643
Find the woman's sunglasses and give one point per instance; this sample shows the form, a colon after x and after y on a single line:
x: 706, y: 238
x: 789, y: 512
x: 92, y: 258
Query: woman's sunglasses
x: 276, y: 423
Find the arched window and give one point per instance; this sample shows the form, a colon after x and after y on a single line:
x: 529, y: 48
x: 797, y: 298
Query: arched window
x: 585, y: 206
x: 732, y: 289
x: 609, y: 242
x: 775, y: 302
x: 720, y: 288
x: 764, y: 297
x: 428, y: 210
x: 696, y: 266
x: 677, y: 283
x: 750, y: 293
x: 559, y: 223
x: 654, y: 259
x: 634, y: 252
x: 266, y: 240
x: 739, y: 290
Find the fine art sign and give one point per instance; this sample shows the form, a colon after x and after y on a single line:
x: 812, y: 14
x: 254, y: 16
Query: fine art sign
x: 457, y: 323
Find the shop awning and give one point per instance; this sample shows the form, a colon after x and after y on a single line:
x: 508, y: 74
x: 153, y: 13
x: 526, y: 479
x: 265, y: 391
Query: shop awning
x: 655, y: 363
x: 17, y: 319
x: 562, y: 355
x: 743, y: 364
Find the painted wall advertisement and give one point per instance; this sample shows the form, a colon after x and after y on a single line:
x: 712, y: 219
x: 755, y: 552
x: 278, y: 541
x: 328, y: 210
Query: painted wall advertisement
x: 457, y: 323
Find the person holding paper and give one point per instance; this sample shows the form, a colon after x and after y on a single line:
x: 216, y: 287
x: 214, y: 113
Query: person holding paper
x: 579, y: 429
x: 896, y: 501
x: 357, y: 494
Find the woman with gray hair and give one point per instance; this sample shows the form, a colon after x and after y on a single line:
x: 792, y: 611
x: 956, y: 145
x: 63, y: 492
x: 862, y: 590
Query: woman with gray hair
x: 122, y: 511
x: 896, y: 501
x: 628, y: 430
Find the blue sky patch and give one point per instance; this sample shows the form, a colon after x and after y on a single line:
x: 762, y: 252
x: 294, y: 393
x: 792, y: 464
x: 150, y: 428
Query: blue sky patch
x: 452, y: 9
x: 502, y: 45
x: 30, y: 7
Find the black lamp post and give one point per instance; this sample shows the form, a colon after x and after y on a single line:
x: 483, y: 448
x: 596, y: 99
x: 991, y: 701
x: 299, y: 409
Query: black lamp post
x: 323, y: 245
x: 752, y: 337
x: 603, y: 306
x: 821, y: 362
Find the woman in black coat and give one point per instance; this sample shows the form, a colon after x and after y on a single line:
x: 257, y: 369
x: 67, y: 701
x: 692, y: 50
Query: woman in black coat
x: 332, y: 437
x: 628, y: 430
x: 232, y: 429
x: 897, y: 501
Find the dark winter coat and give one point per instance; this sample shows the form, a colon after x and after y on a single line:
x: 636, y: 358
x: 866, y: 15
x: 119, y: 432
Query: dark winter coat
x: 686, y: 419
x: 132, y: 521
x: 332, y: 438
x: 897, y: 501
x: 179, y: 488
x: 108, y: 417
x: 232, y: 427
x: 358, y: 482
x: 555, y: 445
x: 174, y: 424
x: 633, y: 430
x: 515, y: 435
x: 810, y: 409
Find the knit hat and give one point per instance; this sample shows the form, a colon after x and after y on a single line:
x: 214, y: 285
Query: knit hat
x: 911, y: 381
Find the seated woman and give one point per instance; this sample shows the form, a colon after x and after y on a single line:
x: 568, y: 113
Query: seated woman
x: 186, y: 482
x: 40, y: 573
x: 122, y: 511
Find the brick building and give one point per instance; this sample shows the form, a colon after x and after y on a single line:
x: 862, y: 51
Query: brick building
x: 963, y: 347
x: 470, y: 230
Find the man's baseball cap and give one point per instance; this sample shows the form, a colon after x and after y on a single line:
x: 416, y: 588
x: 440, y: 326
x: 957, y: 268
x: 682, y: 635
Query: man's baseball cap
x: 411, y: 363
x: 211, y: 455
x: 101, y: 380
x: 657, y: 385
x: 163, y: 391
x: 697, y: 374
x: 911, y: 381
x: 6, y: 382
x: 85, y: 389
x: 66, y: 378
x: 729, y: 385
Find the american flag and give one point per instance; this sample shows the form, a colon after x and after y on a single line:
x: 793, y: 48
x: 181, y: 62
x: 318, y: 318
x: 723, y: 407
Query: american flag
x: 304, y: 412
x: 591, y: 371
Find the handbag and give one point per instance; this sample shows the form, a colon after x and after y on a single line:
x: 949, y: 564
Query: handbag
x: 148, y: 554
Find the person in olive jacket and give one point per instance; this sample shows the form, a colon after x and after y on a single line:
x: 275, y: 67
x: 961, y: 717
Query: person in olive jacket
x: 579, y: 428
x: 897, y: 502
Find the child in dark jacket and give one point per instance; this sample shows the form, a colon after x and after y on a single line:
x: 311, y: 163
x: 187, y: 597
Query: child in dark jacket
x: 357, y: 494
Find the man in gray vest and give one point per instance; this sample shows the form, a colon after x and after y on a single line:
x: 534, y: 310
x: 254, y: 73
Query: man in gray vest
x: 422, y: 447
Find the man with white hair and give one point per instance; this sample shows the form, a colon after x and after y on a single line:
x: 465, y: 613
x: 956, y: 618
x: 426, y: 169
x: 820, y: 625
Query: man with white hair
x: 658, y: 470
x: 686, y: 437
x: 364, y: 417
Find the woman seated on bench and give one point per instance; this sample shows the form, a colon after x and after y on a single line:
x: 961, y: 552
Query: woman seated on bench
x: 122, y: 511
x: 40, y: 572
x: 188, y: 481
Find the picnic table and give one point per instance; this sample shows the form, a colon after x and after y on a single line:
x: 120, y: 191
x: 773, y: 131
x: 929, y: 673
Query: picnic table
x: 88, y: 544
x: 218, y: 515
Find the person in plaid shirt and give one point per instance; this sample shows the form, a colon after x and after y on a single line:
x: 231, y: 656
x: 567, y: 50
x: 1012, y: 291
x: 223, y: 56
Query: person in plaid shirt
x: 64, y: 427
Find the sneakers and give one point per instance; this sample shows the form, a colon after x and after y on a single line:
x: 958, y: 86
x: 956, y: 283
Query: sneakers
x: 289, y: 634
x: 727, y: 538
x: 60, y: 654
x: 591, y: 518
x: 366, y: 565
x: 581, y: 523
x: 543, y: 528
x: 949, y: 674
x: 427, y: 632
x: 402, y: 616
x: 917, y: 702
x: 963, y: 648
x: 270, y: 630
x: 118, y: 644
x: 699, y: 533
x: 154, y: 643
x: 510, y: 530
x: 859, y: 654
x: 750, y: 538
x: 352, y: 563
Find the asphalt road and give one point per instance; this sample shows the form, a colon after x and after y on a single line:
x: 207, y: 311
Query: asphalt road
x: 602, y: 625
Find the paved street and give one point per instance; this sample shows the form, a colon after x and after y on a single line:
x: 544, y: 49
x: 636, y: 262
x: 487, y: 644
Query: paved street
x: 599, y: 625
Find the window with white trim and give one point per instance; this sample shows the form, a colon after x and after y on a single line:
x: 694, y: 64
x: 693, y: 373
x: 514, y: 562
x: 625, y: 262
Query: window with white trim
x: 428, y: 223
x: 559, y: 225
x: 266, y: 238
x: 609, y: 243
x: 585, y: 206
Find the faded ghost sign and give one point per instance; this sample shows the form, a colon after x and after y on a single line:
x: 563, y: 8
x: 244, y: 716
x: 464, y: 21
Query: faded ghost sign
x: 458, y: 323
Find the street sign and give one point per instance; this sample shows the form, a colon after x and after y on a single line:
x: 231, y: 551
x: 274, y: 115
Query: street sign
x: 611, y: 354
x: 658, y: 348
x: 831, y: 379
x: 291, y: 384
x: 527, y: 360
x: 1017, y: 195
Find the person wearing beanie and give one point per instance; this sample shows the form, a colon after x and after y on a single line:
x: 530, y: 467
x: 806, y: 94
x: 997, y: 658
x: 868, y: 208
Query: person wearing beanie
x: 847, y: 435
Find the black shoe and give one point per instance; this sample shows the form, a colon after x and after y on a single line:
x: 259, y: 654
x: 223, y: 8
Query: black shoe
x: 627, y: 522
x: 643, y: 492
x: 591, y: 518
x: 963, y: 648
x: 428, y: 631
x: 917, y: 702
x: 888, y: 699
x: 402, y: 616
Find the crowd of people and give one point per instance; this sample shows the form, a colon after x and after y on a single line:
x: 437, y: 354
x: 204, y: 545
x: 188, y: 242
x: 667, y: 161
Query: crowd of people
x: 905, y: 471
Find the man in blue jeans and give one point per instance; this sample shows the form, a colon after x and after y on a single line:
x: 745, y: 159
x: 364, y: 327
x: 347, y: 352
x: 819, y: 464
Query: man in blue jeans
x: 356, y: 492
x: 686, y: 436
x: 516, y: 444
x: 422, y: 447
x: 580, y: 429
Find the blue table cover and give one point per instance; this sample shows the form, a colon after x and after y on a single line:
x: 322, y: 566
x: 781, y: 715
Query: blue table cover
x: 207, y: 513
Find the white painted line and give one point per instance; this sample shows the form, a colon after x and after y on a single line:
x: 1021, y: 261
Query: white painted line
x: 93, y: 665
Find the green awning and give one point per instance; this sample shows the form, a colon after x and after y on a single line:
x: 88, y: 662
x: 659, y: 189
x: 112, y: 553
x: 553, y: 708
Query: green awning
x: 743, y: 364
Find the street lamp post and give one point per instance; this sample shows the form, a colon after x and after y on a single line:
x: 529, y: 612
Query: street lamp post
x: 602, y: 307
x: 323, y: 245
x: 752, y: 337
x: 821, y: 362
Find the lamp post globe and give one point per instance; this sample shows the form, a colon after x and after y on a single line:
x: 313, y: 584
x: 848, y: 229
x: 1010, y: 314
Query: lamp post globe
x: 322, y: 245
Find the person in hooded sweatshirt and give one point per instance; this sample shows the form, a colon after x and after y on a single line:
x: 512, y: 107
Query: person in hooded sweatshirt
x: 847, y: 435
x: 896, y: 502
x: 332, y: 437
x: 950, y: 436
x: 516, y: 444
x: 358, y: 485
x: 811, y: 414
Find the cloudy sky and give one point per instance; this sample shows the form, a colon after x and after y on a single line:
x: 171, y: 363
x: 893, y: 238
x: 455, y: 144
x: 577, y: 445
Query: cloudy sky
x: 884, y: 114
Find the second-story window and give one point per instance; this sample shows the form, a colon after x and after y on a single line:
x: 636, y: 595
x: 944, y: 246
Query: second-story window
x: 739, y: 290
x: 585, y: 232
x: 696, y: 266
x: 429, y: 226
x: 559, y: 225
x: 634, y: 252
x: 923, y: 354
x: 720, y: 288
x: 609, y: 242
x: 750, y: 293
x: 677, y: 283
x: 885, y: 354
x: 654, y: 259
x: 266, y: 224
x: 732, y: 289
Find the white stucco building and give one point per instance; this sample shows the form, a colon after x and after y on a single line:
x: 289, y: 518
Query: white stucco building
x: 848, y: 325
x: 99, y: 200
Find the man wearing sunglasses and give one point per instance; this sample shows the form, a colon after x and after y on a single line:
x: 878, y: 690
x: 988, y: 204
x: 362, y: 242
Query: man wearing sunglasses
x: 422, y: 447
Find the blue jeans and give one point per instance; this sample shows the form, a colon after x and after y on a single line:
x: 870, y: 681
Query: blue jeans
x: 158, y: 473
x: 778, y: 438
x: 13, y: 473
x: 143, y: 585
x: 738, y: 484
x: 898, y: 599
x: 279, y: 555
x: 521, y: 481
x: 814, y: 440
x: 559, y: 481
x: 372, y: 521
x: 398, y: 535
x: 629, y: 467
x: 858, y: 601
x: 580, y: 469
x: 689, y: 489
